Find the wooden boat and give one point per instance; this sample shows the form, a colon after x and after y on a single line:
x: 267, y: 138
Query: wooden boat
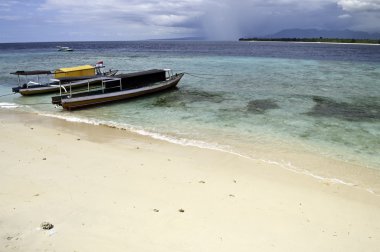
x: 57, y: 86
x: 73, y: 77
x: 121, y: 87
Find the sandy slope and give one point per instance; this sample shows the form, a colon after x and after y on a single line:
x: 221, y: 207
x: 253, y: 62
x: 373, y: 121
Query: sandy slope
x: 109, y: 190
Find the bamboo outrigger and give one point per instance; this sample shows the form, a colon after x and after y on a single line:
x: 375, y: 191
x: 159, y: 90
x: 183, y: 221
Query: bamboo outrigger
x: 120, y: 87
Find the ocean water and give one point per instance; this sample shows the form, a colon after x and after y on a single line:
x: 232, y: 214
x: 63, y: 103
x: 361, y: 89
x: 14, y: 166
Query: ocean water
x: 242, y: 97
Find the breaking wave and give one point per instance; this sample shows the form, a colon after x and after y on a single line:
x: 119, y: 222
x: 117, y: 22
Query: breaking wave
x: 9, y: 105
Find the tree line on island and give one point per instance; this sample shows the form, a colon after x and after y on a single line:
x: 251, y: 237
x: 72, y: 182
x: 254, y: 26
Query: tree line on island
x: 320, y: 39
x: 317, y: 35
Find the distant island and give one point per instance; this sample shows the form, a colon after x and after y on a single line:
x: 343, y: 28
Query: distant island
x: 315, y: 40
x: 322, y: 36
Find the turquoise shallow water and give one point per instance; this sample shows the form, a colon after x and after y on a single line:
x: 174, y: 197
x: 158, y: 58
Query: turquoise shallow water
x: 324, y: 98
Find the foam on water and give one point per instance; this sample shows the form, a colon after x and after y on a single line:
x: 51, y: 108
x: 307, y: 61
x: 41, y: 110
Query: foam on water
x: 72, y: 118
x: 9, y: 105
x: 133, y: 129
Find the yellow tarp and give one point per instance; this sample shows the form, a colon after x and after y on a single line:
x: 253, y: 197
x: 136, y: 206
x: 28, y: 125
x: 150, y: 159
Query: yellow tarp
x: 86, y: 70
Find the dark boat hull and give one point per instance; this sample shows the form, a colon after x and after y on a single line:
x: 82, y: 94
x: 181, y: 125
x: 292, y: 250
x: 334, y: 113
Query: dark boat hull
x: 91, y: 100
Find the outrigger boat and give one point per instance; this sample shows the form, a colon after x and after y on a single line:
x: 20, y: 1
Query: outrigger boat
x: 120, y: 87
x: 79, y: 75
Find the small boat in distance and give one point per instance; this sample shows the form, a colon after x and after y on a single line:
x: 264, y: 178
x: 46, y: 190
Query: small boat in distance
x: 80, y: 75
x: 64, y: 49
x: 120, y: 87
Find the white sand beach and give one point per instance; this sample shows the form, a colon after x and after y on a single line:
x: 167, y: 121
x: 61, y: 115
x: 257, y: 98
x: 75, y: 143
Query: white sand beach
x: 106, y: 189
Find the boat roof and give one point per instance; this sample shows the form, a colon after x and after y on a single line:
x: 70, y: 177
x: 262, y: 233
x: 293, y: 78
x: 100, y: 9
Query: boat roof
x: 72, y: 69
x: 151, y: 71
x: 34, y: 72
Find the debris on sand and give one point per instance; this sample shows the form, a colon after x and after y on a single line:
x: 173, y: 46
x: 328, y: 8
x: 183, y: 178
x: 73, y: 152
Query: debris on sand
x: 46, y: 225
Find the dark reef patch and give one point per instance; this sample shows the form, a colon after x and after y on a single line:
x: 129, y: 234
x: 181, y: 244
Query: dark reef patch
x: 260, y: 106
x: 361, y: 110
x: 181, y: 98
x: 167, y: 102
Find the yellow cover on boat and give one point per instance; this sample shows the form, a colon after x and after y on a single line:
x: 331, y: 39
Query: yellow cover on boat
x: 86, y: 70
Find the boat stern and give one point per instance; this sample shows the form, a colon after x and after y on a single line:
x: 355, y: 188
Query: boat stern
x: 16, y: 89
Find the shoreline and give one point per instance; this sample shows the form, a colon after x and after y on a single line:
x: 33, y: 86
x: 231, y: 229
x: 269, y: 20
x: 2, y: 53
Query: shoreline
x: 109, y: 189
x: 294, y: 158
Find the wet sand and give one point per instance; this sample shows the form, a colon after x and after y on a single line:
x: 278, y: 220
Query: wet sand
x: 106, y: 189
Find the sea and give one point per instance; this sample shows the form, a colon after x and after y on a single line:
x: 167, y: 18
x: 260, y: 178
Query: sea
x: 258, y: 100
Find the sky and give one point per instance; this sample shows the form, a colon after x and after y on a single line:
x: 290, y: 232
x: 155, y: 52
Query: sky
x: 120, y: 20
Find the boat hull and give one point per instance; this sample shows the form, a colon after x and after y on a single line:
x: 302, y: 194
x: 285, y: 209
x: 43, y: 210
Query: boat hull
x: 85, y: 101
x: 55, y: 88
x: 77, y: 82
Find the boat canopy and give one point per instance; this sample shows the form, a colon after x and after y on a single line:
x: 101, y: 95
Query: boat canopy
x: 86, y: 70
x: 35, y: 72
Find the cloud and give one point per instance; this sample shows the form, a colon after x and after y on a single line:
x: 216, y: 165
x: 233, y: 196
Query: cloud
x: 134, y: 19
x: 344, y: 16
x: 151, y: 12
x: 360, y: 5
x: 6, y: 6
x: 214, y: 19
x: 364, y: 14
x: 227, y: 19
x: 10, y: 17
x: 8, y: 3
